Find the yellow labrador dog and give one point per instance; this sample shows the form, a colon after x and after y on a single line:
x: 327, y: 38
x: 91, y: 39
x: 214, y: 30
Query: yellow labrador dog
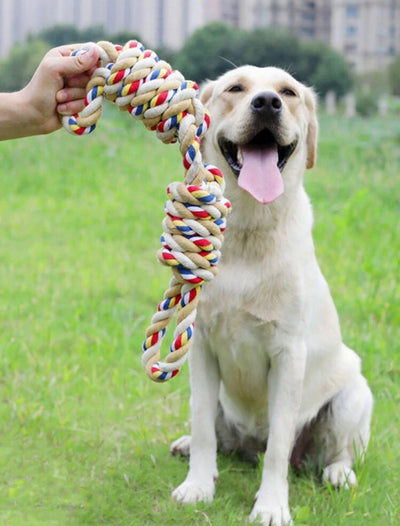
x: 268, y: 368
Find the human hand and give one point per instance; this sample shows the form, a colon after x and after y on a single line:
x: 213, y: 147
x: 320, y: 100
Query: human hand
x: 57, y: 87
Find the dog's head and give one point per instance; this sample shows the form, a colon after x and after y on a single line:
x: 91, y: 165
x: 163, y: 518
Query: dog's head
x: 263, y: 128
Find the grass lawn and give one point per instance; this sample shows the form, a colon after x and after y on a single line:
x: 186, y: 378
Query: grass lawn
x: 84, y: 435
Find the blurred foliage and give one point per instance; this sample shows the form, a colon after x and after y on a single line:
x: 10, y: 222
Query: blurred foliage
x: 17, y: 69
x: 366, y: 103
x: 63, y: 34
x: 209, y: 52
x: 394, y: 76
x: 21, y: 63
x: 376, y: 81
x: 215, y: 48
x: 67, y: 34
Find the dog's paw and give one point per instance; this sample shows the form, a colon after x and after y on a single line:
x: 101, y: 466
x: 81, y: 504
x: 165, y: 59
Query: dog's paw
x: 271, y: 515
x: 271, y: 509
x: 181, y: 446
x: 339, y: 475
x: 190, y: 492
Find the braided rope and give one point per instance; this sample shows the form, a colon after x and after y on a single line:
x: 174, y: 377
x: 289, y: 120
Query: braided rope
x: 145, y: 86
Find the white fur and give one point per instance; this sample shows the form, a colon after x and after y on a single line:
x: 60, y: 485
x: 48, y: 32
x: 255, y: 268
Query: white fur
x: 267, y: 343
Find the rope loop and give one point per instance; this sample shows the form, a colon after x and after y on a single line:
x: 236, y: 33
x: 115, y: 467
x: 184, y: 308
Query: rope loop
x: 137, y: 81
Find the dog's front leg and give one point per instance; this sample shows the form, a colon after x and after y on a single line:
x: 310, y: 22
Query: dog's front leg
x: 285, y: 380
x: 204, y: 379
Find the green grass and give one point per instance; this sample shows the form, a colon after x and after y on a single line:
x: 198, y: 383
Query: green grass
x: 84, y: 434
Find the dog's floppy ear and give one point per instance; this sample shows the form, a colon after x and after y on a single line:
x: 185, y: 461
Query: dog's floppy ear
x: 312, y: 133
x: 206, y: 90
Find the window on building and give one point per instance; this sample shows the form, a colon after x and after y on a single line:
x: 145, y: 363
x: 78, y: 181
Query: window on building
x: 261, y: 14
x: 307, y: 32
x: 383, y: 12
x: 235, y: 14
x: 308, y: 16
x: 383, y: 50
x: 351, y: 31
x: 350, y: 49
x: 352, y: 11
x: 230, y: 12
x: 160, y: 22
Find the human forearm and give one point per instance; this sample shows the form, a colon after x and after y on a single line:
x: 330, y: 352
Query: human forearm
x: 16, y: 118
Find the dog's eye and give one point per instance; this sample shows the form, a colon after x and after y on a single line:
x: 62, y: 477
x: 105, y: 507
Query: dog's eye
x: 236, y: 88
x: 288, y: 92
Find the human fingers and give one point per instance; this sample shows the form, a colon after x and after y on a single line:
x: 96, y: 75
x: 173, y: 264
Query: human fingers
x: 71, y: 107
x: 77, y: 64
x: 69, y: 94
x: 64, y: 50
x: 77, y: 81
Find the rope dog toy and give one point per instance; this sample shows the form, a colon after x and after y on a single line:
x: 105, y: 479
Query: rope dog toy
x: 139, y: 82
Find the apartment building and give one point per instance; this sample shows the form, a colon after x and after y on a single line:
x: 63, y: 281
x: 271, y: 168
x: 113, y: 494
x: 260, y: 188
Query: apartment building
x: 310, y: 20
x: 367, y: 32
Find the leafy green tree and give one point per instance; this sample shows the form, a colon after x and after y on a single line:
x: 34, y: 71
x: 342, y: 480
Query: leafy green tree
x: 18, y: 68
x: 58, y: 35
x: 167, y: 54
x: 269, y: 48
x: 92, y: 34
x: 208, y: 53
x: 366, y: 103
x: 213, y: 49
x: 394, y: 76
x: 328, y: 71
x: 67, y: 34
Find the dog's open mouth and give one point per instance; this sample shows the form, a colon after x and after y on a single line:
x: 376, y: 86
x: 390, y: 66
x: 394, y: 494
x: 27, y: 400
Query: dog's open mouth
x: 258, y: 164
x: 263, y: 141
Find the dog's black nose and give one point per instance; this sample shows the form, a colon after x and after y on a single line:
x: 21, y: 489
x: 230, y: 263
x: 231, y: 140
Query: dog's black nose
x: 266, y: 103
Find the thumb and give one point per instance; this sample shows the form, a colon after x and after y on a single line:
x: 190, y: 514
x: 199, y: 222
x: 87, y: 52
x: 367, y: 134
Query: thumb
x: 81, y: 62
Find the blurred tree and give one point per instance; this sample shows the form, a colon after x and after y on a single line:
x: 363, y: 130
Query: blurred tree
x: 167, y: 54
x: 269, y: 48
x: 209, y: 52
x: 366, y: 103
x: 18, y: 68
x: 394, y: 76
x: 92, y: 34
x: 215, y: 48
x: 327, y: 70
x: 58, y: 35
x: 68, y: 34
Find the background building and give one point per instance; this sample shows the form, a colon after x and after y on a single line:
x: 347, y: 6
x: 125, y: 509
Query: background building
x: 367, y: 32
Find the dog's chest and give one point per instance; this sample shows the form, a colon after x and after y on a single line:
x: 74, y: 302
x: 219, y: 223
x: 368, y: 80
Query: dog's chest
x: 239, y: 318
x: 241, y: 343
x: 255, y: 293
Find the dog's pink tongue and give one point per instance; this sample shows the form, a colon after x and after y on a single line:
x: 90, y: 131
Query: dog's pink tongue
x: 260, y: 175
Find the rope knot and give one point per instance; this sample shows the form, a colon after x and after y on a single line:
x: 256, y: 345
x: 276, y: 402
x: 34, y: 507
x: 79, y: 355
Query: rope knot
x: 138, y: 82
